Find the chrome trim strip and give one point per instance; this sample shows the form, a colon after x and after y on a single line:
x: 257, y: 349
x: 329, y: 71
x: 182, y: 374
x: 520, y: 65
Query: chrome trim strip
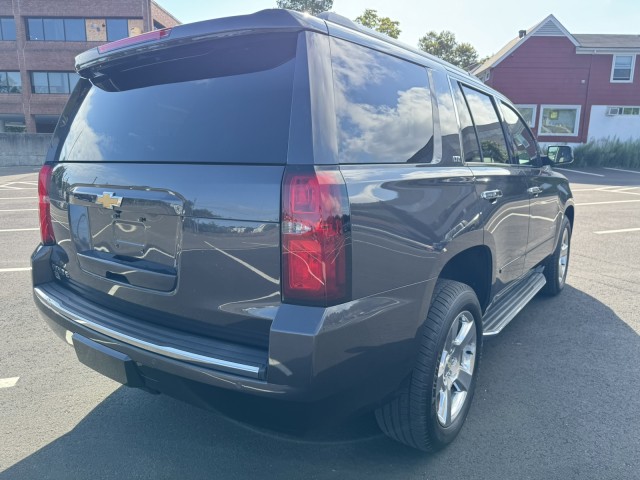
x: 55, y: 306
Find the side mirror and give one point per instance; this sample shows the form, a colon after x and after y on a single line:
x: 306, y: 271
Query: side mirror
x: 560, y: 154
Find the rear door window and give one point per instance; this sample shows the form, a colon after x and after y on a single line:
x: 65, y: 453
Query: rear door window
x: 488, y: 127
x: 383, y: 107
x: 224, y: 101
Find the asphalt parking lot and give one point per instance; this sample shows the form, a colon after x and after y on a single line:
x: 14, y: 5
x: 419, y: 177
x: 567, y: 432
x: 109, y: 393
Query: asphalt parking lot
x: 557, y: 395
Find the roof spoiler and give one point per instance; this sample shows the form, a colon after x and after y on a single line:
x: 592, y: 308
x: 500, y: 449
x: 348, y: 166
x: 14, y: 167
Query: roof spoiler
x: 88, y: 63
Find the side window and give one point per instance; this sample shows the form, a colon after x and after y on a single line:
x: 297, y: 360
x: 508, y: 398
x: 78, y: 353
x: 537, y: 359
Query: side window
x: 383, y: 107
x: 490, y: 134
x: 524, y: 145
x: 470, y: 143
x: 447, y: 116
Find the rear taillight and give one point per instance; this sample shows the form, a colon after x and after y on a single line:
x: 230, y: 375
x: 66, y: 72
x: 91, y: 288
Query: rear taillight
x: 316, y: 237
x: 44, y: 204
x: 128, y: 41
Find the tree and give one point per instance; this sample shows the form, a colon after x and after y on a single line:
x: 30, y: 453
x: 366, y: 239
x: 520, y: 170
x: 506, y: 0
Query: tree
x: 313, y: 7
x: 445, y: 46
x: 384, y: 25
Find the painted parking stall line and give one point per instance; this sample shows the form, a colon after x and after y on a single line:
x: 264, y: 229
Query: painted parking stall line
x: 18, y: 198
x: 20, y: 210
x: 8, y: 230
x: 578, y: 171
x: 16, y: 269
x: 622, y: 230
x: 607, y: 203
x: 8, y: 382
x: 622, y: 170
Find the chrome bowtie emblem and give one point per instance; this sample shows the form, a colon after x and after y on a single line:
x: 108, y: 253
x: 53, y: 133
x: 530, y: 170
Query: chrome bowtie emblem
x: 109, y: 200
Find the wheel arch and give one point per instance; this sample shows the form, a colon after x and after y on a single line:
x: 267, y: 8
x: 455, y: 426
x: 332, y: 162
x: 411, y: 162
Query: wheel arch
x: 473, y: 267
x: 569, y: 213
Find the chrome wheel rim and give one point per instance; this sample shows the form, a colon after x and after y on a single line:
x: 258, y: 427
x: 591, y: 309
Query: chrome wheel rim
x: 563, y: 261
x: 456, y: 368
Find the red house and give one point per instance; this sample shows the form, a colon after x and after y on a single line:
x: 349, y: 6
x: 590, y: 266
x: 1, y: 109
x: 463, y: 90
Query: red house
x: 571, y: 88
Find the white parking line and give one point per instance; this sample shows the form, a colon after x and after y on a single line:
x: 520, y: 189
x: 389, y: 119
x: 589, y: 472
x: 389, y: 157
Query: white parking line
x: 20, y: 210
x: 597, y: 189
x: 8, y: 188
x: 6, y: 230
x: 621, y: 170
x: 578, y: 171
x: 622, y: 230
x: 18, y: 198
x: 607, y: 203
x: 19, y: 269
x: 8, y: 382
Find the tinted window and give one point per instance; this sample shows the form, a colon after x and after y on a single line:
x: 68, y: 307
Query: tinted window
x: 7, y: 29
x: 53, y: 29
x: 523, y: 143
x: 470, y: 143
x: 74, y: 30
x: 58, y: 82
x: 36, y: 31
x: 73, y: 80
x: 15, y: 82
x: 227, y: 101
x: 117, y: 28
x: 487, y: 123
x: 383, y: 107
x: 10, y: 82
x: 40, y: 82
x: 447, y: 116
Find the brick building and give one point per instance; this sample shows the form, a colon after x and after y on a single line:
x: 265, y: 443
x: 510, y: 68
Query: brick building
x: 39, y: 40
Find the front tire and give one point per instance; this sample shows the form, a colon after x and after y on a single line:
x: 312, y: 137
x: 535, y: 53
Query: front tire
x: 557, y: 265
x: 428, y: 412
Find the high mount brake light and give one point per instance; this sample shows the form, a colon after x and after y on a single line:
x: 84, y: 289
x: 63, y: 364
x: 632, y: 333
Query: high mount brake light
x: 316, y: 237
x: 44, y: 205
x: 127, y: 42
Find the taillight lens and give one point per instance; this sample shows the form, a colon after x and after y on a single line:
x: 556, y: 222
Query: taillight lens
x: 44, y: 205
x: 316, y: 237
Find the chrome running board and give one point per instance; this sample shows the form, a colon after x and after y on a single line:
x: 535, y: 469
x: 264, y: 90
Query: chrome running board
x: 499, y: 315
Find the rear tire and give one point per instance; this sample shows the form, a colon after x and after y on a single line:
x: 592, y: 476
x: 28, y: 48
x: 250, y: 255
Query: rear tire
x: 428, y: 412
x: 556, y: 265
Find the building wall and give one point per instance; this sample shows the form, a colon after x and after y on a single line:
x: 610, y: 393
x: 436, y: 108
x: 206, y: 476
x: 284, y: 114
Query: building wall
x: 23, y: 149
x: 545, y: 71
x: 548, y: 71
x: 161, y: 16
x: 27, y: 56
x: 623, y: 127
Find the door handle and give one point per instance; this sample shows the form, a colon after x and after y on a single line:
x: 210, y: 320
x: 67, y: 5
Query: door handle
x: 491, y: 194
x: 534, y: 190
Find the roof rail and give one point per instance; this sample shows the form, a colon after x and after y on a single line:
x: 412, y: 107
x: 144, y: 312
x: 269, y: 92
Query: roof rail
x: 339, y: 20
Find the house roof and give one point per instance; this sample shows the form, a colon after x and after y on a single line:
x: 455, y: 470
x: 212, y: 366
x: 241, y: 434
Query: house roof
x: 551, y: 27
x: 608, y: 41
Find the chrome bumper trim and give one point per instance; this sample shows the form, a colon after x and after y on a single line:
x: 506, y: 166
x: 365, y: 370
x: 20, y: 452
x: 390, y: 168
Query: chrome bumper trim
x: 55, y: 306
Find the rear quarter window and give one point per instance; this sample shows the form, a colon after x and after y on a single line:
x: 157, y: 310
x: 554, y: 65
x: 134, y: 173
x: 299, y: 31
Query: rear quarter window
x: 383, y: 107
x: 223, y: 101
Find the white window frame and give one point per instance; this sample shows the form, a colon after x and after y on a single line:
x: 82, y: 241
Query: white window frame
x: 534, y: 107
x: 633, y: 67
x: 576, y: 126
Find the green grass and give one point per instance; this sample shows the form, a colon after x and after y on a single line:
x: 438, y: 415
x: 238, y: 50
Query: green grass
x: 608, y: 153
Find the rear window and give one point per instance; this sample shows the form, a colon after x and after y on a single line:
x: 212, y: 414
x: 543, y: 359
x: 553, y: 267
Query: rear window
x: 383, y: 107
x: 224, y: 101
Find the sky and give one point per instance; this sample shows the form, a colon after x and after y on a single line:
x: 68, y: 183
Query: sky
x: 487, y: 25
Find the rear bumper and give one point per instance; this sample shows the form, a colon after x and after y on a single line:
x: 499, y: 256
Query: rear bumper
x: 362, y: 349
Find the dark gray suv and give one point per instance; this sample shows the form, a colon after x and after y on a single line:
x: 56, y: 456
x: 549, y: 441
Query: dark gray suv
x: 298, y: 209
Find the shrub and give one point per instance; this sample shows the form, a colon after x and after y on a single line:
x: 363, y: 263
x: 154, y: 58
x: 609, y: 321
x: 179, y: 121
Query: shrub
x: 610, y: 152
